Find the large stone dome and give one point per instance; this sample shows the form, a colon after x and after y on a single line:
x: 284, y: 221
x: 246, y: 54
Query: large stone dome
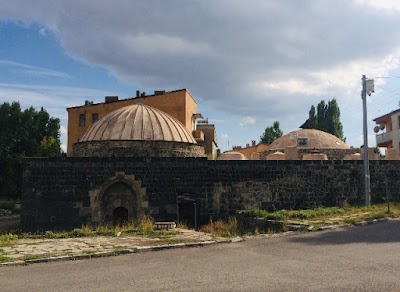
x: 138, y: 122
x: 137, y: 131
x: 308, y: 138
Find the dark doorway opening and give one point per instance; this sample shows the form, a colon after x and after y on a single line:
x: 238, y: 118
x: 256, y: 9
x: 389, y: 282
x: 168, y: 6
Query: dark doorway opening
x: 188, y: 213
x: 120, y: 216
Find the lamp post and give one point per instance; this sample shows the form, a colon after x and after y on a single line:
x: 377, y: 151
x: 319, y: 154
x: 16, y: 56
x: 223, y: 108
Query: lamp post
x: 367, y: 88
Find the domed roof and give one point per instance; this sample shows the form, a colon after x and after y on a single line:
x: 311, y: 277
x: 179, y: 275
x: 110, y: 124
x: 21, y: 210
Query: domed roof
x: 232, y: 155
x: 138, y: 122
x: 308, y: 138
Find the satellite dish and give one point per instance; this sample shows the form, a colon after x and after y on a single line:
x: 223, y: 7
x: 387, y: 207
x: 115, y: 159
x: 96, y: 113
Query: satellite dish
x: 376, y: 129
x: 382, y: 126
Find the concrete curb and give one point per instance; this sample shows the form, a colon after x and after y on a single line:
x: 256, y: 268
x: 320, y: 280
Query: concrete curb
x: 142, y: 249
x: 136, y: 249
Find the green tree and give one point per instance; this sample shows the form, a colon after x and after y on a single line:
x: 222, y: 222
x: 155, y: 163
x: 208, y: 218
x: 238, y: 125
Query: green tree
x: 271, y: 133
x: 326, y: 118
x: 24, y: 133
x: 49, y: 147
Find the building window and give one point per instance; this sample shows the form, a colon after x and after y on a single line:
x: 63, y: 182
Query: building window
x: 82, y: 120
x: 95, y: 117
x: 302, y: 141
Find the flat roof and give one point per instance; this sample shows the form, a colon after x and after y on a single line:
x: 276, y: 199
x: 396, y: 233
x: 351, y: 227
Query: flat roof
x: 389, y: 114
x: 167, y: 92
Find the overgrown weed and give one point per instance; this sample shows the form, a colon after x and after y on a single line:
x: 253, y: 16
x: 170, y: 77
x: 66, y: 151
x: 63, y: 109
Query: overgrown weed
x: 221, y: 228
x: 8, y: 239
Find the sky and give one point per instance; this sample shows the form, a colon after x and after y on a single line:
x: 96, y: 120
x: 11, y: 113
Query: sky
x: 246, y: 63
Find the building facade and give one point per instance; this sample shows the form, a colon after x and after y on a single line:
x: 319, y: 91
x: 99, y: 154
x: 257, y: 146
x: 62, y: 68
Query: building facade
x: 388, y: 130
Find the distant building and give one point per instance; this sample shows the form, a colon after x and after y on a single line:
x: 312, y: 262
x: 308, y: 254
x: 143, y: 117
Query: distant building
x: 303, y: 144
x: 388, y: 130
x: 210, y: 140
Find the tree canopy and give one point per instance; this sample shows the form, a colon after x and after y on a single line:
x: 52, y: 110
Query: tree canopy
x: 24, y: 133
x: 271, y: 133
x: 326, y: 118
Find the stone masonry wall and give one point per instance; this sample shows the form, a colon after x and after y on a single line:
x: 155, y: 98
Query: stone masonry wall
x: 56, y: 192
x: 122, y: 148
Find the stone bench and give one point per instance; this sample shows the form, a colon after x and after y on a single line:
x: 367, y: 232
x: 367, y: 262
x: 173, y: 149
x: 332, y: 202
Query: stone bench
x: 164, y: 225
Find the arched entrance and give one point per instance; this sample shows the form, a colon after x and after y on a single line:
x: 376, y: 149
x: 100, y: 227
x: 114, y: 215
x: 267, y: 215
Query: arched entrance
x: 120, y: 216
x: 119, y: 204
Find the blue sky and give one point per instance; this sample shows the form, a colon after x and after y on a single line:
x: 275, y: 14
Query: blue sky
x: 246, y: 64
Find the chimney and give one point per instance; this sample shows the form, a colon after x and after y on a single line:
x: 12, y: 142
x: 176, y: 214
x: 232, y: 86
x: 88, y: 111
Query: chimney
x: 109, y: 99
x: 253, y: 143
x: 247, y: 145
x: 143, y: 94
x: 137, y: 93
x: 159, y: 92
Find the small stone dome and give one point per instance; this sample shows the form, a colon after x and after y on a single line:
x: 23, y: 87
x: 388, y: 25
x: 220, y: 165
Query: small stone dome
x: 232, y: 155
x: 139, y: 123
x: 308, y: 138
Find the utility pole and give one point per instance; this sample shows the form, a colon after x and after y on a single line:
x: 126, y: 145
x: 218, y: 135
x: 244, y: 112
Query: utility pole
x: 367, y: 87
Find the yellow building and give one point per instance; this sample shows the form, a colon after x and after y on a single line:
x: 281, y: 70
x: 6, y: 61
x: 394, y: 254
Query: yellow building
x: 387, y: 130
x: 179, y: 104
x: 251, y: 152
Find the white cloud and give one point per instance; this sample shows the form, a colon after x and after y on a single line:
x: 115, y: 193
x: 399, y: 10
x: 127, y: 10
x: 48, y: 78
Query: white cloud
x: 247, y: 121
x: 225, y: 136
x: 340, y: 78
x: 389, y: 5
x: 63, y: 130
x: 43, y: 32
x: 33, y: 70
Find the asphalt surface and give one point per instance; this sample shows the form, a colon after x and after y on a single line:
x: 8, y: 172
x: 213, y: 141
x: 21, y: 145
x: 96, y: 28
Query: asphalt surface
x: 363, y: 258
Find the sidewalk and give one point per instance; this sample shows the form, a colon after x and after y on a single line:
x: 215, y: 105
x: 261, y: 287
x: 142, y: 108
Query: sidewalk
x: 27, y: 251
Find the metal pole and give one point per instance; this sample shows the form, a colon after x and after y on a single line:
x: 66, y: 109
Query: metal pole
x: 366, y: 160
x: 195, y: 216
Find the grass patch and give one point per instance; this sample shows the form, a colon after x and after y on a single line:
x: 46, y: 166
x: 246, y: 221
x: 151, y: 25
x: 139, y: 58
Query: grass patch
x: 4, y: 259
x: 374, y: 211
x: 332, y: 215
x: 145, y: 227
x: 222, y: 228
x: 8, y: 239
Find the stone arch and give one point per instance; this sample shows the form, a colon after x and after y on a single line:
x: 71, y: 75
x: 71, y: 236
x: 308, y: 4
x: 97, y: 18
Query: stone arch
x: 120, y: 191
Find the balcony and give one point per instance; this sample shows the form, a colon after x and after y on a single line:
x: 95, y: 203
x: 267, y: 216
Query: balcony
x: 384, y: 139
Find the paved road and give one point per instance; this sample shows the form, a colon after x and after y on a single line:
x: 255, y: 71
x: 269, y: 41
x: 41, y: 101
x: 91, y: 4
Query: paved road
x: 365, y: 258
